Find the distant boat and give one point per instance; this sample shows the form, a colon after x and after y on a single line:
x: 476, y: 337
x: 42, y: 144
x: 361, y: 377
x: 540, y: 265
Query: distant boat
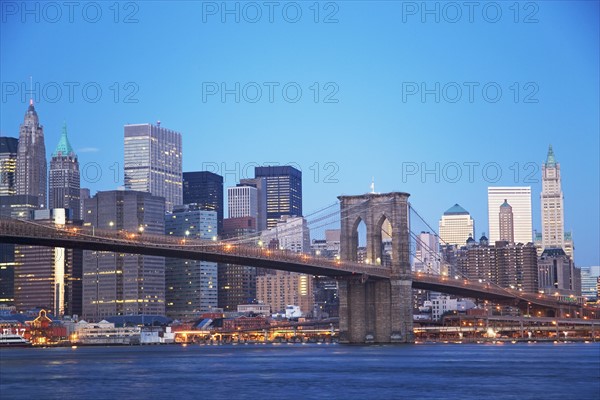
x: 12, y: 340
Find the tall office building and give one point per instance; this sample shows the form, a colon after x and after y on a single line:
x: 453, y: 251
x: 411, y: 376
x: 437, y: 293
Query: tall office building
x: 153, y: 162
x: 506, y: 223
x: 124, y: 284
x: 45, y: 277
x: 456, y: 226
x: 64, y: 178
x: 31, y: 158
x: 8, y: 165
x: 519, y: 198
x: 191, y: 285
x: 552, y: 206
x: 242, y: 201
x: 261, y: 197
x: 205, y: 189
x: 284, y: 192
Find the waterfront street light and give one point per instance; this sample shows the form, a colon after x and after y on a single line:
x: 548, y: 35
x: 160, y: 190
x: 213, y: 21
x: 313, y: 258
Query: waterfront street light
x: 187, y: 233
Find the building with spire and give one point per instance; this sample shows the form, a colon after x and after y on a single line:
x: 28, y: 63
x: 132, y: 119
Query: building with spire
x: 64, y: 182
x: 31, y: 159
x: 456, y: 226
x: 507, y: 231
x: 552, y: 207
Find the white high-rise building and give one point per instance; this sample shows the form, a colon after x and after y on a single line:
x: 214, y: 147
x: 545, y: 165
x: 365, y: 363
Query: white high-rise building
x: 519, y: 198
x: 242, y: 201
x: 456, y: 226
x: 552, y: 207
x: 153, y: 162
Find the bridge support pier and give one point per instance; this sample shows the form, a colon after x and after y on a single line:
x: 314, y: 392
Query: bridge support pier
x: 374, y: 310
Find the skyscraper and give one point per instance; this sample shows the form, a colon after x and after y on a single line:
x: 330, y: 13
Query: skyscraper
x: 456, y: 226
x: 552, y: 206
x: 284, y: 192
x: 242, y: 201
x: 191, y: 285
x: 124, y: 284
x: 64, y: 178
x: 153, y: 162
x: 261, y: 197
x: 506, y: 223
x: 205, y: 189
x: 519, y: 198
x: 31, y: 158
x: 44, y: 276
x: 8, y: 165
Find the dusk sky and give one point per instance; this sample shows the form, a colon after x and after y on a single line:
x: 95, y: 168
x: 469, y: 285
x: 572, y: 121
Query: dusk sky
x: 387, y: 90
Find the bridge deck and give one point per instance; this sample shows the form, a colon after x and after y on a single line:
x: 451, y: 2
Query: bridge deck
x: 29, y: 233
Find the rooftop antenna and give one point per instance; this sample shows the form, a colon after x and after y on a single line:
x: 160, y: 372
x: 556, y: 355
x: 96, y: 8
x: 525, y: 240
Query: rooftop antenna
x: 31, y: 90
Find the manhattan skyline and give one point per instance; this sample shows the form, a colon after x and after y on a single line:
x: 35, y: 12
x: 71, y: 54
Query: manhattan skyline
x: 375, y: 129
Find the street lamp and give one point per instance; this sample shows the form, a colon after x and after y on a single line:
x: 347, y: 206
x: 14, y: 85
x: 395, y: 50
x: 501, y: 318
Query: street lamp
x: 187, y: 233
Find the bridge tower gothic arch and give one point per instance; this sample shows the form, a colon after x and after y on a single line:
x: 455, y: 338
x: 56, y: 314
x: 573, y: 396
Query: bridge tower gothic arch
x: 376, y: 310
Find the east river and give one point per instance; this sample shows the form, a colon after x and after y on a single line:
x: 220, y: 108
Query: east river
x: 295, y: 371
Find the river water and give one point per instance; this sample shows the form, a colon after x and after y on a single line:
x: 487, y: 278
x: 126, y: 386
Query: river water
x: 295, y: 371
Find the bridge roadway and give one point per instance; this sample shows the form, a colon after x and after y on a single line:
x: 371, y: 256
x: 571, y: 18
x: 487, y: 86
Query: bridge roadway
x: 88, y: 238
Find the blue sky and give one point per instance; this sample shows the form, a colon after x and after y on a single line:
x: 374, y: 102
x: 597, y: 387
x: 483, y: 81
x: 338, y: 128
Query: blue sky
x: 369, y: 62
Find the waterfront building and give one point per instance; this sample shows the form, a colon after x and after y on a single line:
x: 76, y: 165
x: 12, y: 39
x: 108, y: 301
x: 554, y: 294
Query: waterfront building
x: 191, y: 285
x: 589, y: 276
x: 205, y: 189
x: 48, y: 277
x: 285, y: 288
x: 64, y: 182
x: 456, y: 226
x: 31, y: 172
x: 153, y: 162
x: 117, y: 283
x: 7, y: 274
x: 519, y: 199
x: 284, y: 192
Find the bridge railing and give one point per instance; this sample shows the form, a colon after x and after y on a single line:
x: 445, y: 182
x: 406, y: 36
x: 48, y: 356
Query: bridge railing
x: 89, y: 233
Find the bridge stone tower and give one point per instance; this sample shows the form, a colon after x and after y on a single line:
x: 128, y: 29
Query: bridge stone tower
x: 376, y: 310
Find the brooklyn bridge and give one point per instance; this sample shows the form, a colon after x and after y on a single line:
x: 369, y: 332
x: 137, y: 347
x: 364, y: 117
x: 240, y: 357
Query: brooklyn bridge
x: 375, y: 298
